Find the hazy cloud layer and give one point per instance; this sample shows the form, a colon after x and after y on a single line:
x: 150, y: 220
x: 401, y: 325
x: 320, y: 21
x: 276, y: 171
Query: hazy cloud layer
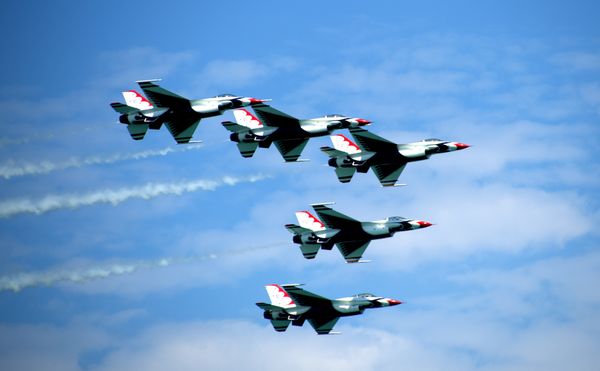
x: 501, y: 321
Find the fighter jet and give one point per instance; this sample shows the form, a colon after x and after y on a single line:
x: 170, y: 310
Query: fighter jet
x: 290, y: 303
x: 387, y: 159
x: 179, y: 114
x: 350, y: 235
x: 289, y: 134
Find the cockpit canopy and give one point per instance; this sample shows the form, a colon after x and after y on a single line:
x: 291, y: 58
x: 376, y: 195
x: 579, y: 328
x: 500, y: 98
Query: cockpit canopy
x: 397, y: 219
x: 432, y: 140
x: 226, y: 95
x: 334, y: 115
x: 364, y: 295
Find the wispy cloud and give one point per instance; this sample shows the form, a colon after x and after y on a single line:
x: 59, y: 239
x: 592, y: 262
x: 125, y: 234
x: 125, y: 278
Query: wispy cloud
x: 20, y: 281
x: 116, y: 196
x: 10, y: 169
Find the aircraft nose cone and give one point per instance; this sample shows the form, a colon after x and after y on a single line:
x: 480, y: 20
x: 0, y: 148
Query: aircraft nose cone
x: 257, y: 101
x: 424, y: 224
x: 363, y: 122
x: 393, y: 302
x: 462, y: 146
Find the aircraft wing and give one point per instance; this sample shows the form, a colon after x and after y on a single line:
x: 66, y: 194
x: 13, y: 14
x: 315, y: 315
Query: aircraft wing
x: 269, y: 116
x: 182, y: 130
x: 334, y: 219
x: 291, y: 149
x: 323, y: 325
x: 373, y: 143
x: 305, y: 298
x: 353, y: 250
x: 161, y: 97
x: 388, y: 173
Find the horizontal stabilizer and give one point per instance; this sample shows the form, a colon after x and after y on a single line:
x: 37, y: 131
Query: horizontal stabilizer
x: 345, y: 174
x: 137, y: 131
x: 247, y: 149
x: 332, y: 152
x: 280, y: 325
x: 233, y: 127
x: 123, y: 108
x: 266, y: 306
x: 296, y: 229
x: 310, y: 250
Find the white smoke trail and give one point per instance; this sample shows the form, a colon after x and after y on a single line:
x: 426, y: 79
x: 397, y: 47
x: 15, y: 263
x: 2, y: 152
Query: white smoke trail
x: 11, y: 169
x: 20, y: 281
x: 116, y: 196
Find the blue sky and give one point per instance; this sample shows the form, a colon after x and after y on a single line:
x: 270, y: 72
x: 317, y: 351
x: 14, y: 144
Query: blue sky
x: 506, y: 279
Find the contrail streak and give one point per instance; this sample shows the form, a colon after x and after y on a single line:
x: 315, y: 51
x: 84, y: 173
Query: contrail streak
x: 116, y: 196
x: 20, y: 281
x: 11, y: 169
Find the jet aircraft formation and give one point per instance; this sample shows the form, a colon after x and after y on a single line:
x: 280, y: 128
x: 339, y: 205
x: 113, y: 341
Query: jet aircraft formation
x: 290, y: 303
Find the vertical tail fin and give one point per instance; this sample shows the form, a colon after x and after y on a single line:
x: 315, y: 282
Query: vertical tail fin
x: 309, y: 221
x: 135, y: 99
x: 342, y: 143
x: 279, y: 297
x: 246, y: 119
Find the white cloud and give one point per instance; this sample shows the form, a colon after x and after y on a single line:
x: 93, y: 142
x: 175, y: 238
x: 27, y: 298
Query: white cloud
x: 140, y: 63
x: 241, y: 73
x: 586, y: 61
